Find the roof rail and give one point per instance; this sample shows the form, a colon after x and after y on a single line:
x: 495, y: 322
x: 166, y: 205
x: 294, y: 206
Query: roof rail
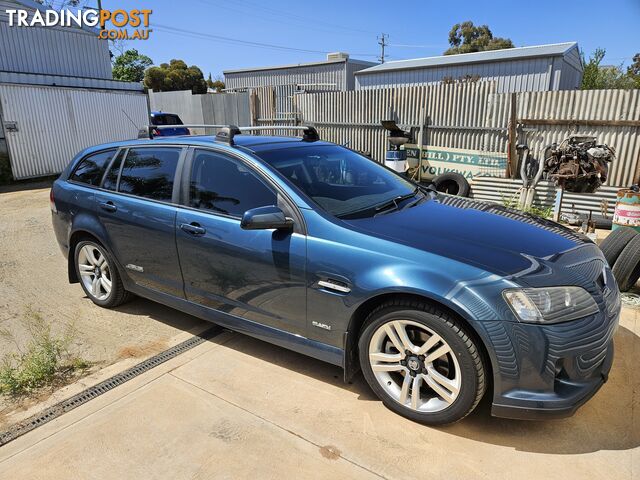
x: 147, y: 131
x: 227, y: 132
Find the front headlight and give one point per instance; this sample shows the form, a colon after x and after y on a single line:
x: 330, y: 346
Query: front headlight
x: 551, y: 304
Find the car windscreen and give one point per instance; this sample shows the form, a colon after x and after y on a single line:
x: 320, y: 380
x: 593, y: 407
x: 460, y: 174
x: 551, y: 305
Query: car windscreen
x: 341, y: 181
x: 166, y: 119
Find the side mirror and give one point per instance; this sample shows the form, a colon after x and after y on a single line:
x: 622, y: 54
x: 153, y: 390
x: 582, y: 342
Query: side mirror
x: 266, y: 218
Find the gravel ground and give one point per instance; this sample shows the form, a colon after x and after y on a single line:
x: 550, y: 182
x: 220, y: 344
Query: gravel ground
x: 33, y: 275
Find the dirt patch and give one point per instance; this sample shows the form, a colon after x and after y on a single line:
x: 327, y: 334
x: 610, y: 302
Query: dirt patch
x: 103, y: 336
x: 146, y: 350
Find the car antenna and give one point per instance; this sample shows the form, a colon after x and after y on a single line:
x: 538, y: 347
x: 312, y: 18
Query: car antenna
x: 132, y: 122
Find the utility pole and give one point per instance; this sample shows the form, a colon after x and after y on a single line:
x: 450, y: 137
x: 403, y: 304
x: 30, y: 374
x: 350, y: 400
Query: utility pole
x: 382, y: 41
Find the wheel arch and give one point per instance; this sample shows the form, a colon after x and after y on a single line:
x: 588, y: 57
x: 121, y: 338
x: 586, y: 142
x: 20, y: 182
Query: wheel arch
x: 359, y: 316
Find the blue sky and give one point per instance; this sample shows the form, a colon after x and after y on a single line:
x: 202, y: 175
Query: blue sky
x: 352, y: 26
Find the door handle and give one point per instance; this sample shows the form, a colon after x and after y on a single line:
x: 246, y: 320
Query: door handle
x: 108, y: 206
x: 193, y: 228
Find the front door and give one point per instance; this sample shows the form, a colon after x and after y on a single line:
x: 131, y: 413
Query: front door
x: 254, y: 274
x: 139, y: 216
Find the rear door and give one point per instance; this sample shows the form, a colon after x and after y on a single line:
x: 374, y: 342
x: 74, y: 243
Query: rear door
x: 137, y: 207
x: 255, y: 274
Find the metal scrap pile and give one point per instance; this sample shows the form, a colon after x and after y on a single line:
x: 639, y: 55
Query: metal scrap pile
x: 578, y: 164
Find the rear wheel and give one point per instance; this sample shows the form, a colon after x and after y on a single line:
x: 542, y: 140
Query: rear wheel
x: 98, y: 275
x: 421, y: 363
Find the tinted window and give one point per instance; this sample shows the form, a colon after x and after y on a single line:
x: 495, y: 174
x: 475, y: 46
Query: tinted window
x: 91, y: 169
x: 224, y: 185
x: 149, y: 172
x: 167, y: 120
x: 111, y: 179
x: 341, y: 181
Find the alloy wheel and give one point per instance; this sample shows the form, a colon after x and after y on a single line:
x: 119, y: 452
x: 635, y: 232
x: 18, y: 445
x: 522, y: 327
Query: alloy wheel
x: 415, y: 366
x: 95, y: 272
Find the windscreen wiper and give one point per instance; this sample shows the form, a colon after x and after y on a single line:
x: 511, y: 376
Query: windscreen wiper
x: 391, y: 205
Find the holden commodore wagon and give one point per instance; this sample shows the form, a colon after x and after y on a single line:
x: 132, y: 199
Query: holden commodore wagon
x: 316, y: 248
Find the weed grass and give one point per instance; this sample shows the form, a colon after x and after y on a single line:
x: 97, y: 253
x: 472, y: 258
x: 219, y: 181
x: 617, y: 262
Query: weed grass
x: 41, y: 360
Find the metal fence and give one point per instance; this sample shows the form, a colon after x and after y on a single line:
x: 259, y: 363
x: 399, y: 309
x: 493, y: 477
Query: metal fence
x: 210, y: 108
x: 45, y: 127
x: 475, y: 117
x: 468, y: 116
x: 453, y: 115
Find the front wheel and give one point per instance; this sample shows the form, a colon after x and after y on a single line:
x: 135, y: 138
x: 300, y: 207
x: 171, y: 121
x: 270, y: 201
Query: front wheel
x: 421, y: 363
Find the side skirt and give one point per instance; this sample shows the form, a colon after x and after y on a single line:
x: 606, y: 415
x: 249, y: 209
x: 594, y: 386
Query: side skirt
x: 297, y: 343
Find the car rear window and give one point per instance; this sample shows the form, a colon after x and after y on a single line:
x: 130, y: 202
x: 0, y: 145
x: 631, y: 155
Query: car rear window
x: 149, y: 172
x: 91, y: 168
x: 167, y: 120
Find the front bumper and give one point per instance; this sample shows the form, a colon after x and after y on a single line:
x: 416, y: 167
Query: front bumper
x: 557, y: 404
x: 549, y: 371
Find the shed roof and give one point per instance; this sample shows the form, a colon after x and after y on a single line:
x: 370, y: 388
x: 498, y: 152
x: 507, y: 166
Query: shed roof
x: 296, y: 65
x: 552, y: 50
x: 43, y: 8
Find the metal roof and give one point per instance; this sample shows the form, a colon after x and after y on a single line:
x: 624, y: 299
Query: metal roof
x: 552, y: 50
x: 297, y: 65
x: 43, y: 8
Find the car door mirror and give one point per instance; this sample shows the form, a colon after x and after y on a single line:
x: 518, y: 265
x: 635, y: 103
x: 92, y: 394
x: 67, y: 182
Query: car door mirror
x: 266, y: 218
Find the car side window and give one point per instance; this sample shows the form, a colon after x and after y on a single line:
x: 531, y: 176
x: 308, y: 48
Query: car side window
x: 224, y: 185
x: 91, y: 168
x: 150, y: 172
x: 111, y: 178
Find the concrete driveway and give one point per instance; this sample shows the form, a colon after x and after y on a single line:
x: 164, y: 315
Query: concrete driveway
x: 235, y: 407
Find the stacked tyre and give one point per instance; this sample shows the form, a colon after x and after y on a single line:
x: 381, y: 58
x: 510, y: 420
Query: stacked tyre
x: 621, y: 249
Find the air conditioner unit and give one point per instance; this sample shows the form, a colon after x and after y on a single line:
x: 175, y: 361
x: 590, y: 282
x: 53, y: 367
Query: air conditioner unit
x: 338, y: 56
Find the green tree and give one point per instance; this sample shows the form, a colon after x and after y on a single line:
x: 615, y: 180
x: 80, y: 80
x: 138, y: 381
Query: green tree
x: 597, y: 77
x: 130, y: 66
x: 634, y: 70
x: 216, y: 84
x: 465, y: 37
x: 175, y: 75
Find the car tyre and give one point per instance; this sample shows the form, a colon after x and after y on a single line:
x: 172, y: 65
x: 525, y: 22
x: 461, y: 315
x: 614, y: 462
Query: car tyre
x: 98, y: 275
x: 626, y: 270
x: 453, y: 184
x: 614, y: 244
x: 450, y: 385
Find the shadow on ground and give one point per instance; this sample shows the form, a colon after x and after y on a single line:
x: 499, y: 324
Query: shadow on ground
x: 605, y: 423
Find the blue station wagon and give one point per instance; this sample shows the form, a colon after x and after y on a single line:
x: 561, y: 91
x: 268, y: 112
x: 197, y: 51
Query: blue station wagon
x: 309, y: 245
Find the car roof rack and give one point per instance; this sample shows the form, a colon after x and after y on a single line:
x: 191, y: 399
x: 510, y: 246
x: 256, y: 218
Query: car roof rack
x: 227, y: 132
x: 309, y: 133
x: 147, y: 131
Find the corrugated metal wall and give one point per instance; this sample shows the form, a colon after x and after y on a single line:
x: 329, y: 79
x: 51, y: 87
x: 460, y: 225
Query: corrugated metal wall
x: 55, y: 123
x: 456, y: 115
x: 51, y: 50
x: 580, y: 106
x: 473, y: 116
x: 535, y: 74
x: 507, y: 191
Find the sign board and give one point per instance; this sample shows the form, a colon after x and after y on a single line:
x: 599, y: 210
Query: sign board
x: 434, y: 161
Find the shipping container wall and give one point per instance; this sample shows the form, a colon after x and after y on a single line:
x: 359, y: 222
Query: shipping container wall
x: 52, y: 124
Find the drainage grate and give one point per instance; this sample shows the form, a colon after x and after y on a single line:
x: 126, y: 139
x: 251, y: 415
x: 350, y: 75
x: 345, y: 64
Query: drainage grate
x: 69, y: 404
